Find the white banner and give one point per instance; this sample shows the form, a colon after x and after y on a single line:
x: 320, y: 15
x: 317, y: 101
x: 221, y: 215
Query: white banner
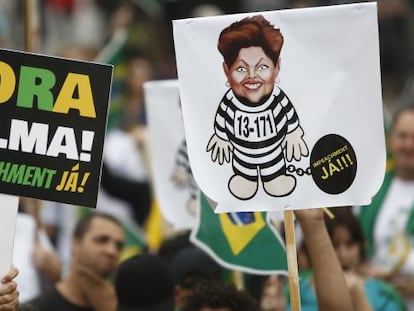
x: 175, y: 187
x: 283, y: 109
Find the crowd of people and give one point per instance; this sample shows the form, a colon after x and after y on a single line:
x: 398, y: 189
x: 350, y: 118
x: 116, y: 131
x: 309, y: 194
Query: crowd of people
x: 74, y: 258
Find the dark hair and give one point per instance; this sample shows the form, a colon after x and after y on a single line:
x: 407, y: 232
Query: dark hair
x: 219, y: 295
x: 192, y: 265
x: 83, y: 225
x: 248, y: 32
x: 144, y: 282
x: 344, y: 217
x: 132, y: 53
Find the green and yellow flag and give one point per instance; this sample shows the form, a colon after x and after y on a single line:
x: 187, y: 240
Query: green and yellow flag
x: 245, y: 241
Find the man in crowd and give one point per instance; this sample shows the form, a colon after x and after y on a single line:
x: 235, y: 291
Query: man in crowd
x: 96, y: 247
x: 190, y: 266
x: 388, y: 223
x: 144, y: 283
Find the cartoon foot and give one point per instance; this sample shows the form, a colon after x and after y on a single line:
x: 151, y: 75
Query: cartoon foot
x: 280, y: 186
x: 242, y: 188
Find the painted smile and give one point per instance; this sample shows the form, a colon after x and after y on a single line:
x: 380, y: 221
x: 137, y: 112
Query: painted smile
x: 252, y: 86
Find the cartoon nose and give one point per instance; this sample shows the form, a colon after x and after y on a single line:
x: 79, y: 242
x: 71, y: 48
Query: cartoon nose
x: 252, y: 73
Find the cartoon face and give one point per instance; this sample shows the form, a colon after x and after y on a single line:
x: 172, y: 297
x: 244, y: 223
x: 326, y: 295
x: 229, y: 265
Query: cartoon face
x: 252, y: 75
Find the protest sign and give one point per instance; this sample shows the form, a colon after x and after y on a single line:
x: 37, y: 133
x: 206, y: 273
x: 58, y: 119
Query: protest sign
x: 52, y: 126
x: 174, y: 185
x: 282, y: 109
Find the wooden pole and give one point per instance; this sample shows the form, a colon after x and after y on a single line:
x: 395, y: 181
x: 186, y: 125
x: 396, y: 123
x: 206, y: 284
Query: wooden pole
x: 31, y: 25
x: 28, y: 22
x: 238, y: 279
x: 292, y: 260
x: 9, y: 204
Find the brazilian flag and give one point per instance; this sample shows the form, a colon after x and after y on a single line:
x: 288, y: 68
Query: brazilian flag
x: 244, y: 241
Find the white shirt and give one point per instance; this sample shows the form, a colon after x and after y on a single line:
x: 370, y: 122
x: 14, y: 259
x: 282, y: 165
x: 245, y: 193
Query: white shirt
x: 392, y: 244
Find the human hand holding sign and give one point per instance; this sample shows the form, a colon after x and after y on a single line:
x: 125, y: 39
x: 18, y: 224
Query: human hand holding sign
x: 295, y: 146
x: 9, y: 295
x: 329, y: 282
x: 220, y: 149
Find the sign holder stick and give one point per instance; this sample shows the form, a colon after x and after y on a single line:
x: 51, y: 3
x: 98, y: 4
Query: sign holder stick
x: 238, y: 279
x: 30, y: 25
x: 292, y: 260
x: 9, y: 205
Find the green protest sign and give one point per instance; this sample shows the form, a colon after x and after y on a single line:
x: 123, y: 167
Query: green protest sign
x: 53, y: 113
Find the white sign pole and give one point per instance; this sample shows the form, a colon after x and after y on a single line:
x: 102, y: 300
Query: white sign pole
x: 9, y: 205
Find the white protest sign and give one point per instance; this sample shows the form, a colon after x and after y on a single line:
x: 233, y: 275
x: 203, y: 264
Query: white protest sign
x: 174, y: 185
x: 283, y: 109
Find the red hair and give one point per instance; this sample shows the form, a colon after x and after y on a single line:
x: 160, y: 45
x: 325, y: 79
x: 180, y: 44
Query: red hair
x: 248, y: 32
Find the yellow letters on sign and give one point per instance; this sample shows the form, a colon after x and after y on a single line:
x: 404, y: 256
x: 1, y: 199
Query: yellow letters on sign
x: 7, y: 82
x: 84, y: 102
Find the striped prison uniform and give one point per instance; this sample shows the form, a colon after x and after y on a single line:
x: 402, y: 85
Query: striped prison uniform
x: 256, y: 133
x: 182, y: 162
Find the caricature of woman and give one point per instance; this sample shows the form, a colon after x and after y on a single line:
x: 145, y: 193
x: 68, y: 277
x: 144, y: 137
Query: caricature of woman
x: 255, y: 119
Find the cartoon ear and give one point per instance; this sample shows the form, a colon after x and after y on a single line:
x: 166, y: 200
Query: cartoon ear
x: 277, y: 66
x: 226, y: 69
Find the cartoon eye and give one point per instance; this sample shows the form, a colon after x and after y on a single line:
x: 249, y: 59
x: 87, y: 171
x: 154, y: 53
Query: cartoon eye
x: 263, y: 67
x: 241, y: 69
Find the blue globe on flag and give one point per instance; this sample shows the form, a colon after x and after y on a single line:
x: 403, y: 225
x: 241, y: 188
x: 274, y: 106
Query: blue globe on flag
x: 241, y: 218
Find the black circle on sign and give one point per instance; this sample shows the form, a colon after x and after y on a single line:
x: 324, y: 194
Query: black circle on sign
x: 333, y: 164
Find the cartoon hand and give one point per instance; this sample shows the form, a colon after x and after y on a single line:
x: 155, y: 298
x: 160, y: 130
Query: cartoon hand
x: 180, y: 178
x: 220, y: 149
x: 295, y: 145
